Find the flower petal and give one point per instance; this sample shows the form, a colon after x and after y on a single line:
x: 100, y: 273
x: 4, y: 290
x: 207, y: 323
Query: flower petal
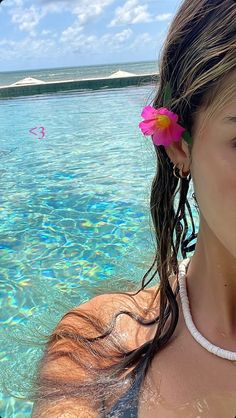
x: 176, y: 131
x: 162, y: 137
x: 148, y: 127
x: 149, y: 112
x: 164, y: 111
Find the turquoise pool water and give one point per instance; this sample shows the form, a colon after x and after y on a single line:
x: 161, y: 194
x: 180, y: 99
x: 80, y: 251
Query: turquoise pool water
x: 74, y: 211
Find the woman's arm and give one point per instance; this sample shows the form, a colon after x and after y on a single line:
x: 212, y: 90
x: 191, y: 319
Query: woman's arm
x: 61, y: 367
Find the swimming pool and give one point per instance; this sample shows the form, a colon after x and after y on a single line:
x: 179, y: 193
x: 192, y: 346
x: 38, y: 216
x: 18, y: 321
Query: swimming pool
x: 75, y: 179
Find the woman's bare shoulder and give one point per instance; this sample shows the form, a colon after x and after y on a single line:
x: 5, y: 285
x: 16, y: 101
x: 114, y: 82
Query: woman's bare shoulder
x: 104, y: 306
x: 108, y: 303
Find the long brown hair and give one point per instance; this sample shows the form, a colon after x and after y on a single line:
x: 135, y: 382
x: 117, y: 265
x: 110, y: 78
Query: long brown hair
x: 197, y: 58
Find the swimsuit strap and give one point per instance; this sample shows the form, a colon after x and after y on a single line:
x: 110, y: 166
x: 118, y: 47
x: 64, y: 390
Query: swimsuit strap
x: 123, y: 401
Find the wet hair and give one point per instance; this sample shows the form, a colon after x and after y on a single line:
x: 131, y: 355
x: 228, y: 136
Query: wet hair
x: 198, y: 58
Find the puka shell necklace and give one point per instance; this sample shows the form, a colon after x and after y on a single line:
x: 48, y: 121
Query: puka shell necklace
x: 220, y: 352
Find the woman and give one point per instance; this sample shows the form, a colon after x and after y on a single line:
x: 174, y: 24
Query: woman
x: 151, y: 361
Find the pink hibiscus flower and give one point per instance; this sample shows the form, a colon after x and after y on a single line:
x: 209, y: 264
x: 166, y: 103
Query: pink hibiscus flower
x: 161, y: 124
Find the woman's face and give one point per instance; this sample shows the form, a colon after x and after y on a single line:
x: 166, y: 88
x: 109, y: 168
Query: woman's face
x: 213, y: 171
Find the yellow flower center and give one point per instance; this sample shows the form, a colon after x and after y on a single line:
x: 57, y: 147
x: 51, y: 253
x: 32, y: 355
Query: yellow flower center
x: 163, y: 121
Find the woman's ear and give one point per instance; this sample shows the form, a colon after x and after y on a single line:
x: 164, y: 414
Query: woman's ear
x: 179, y: 154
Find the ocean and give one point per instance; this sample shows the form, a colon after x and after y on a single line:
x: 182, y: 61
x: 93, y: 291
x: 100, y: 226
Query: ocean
x: 76, y: 73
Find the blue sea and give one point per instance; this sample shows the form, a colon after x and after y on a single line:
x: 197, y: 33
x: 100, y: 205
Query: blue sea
x: 78, y: 73
x: 75, y: 181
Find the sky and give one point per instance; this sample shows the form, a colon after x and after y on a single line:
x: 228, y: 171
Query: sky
x: 66, y: 33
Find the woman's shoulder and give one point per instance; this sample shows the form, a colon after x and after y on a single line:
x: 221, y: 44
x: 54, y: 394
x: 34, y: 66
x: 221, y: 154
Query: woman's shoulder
x: 101, y: 307
x: 104, y: 306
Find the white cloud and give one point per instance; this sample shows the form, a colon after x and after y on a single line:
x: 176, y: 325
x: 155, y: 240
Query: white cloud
x: 123, y: 36
x: 47, y: 32
x: 84, y: 10
x: 141, y: 40
x: 26, y: 18
x: 13, y: 3
x: 164, y: 16
x: 74, y: 39
x: 7, y: 42
x: 27, y: 48
x: 115, y: 41
x: 131, y: 13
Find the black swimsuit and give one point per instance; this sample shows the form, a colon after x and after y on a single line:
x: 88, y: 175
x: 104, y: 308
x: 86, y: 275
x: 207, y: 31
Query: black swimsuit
x: 120, y: 409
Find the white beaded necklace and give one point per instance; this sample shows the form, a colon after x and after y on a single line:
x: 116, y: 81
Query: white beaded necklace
x: 220, y: 352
